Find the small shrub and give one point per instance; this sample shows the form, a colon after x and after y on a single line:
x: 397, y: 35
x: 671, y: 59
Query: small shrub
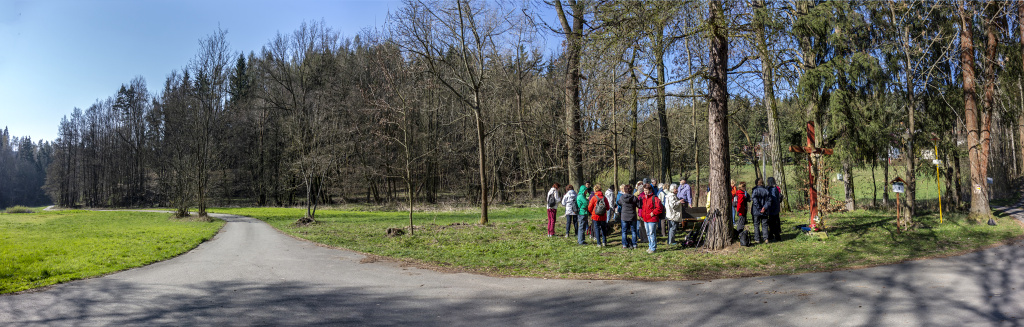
x: 19, y: 209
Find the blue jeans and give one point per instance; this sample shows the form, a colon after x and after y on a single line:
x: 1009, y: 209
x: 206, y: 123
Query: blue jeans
x: 629, y: 228
x: 570, y: 224
x: 599, y: 235
x: 672, y: 227
x: 582, y: 231
x: 652, y: 230
x: 734, y: 213
x: 760, y: 228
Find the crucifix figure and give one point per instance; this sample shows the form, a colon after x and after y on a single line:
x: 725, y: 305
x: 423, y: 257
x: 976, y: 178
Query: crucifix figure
x: 810, y: 150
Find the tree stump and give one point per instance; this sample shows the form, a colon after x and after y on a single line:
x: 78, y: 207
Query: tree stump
x: 392, y: 232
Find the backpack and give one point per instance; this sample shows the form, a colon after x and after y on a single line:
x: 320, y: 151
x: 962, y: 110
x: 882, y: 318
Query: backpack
x: 601, y: 207
x: 552, y: 202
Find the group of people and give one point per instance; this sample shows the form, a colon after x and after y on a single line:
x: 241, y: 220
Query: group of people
x: 589, y: 209
x: 646, y: 208
x: 763, y: 203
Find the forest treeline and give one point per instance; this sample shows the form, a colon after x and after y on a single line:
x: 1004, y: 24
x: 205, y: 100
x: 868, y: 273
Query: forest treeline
x: 23, y: 170
x: 458, y: 101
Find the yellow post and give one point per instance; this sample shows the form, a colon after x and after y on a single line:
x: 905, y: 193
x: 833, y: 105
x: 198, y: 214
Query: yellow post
x: 937, y: 183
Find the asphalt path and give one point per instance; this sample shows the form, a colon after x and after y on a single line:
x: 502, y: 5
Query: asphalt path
x: 250, y: 274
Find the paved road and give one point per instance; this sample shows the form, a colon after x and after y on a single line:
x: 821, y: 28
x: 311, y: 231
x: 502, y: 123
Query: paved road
x: 250, y: 274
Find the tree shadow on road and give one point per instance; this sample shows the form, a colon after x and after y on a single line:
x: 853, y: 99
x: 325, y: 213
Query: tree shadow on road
x: 977, y: 288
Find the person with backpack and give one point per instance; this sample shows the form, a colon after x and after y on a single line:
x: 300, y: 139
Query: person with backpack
x: 627, y: 204
x: 640, y: 196
x: 552, y: 205
x: 774, y: 224
x: 741, y: 212
x: 760, y: 200
x: 599, y: 208
x: 609, y: 195
x: 582, y: 200
x: 569, y: 201
x: 650, y: 210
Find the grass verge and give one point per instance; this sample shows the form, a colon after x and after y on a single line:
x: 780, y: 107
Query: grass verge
x: 515, y: 244
x: 54, y: 247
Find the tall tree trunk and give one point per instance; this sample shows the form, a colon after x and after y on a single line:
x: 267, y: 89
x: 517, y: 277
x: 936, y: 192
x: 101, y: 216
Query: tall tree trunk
x: 851, y: 198
x: 910, y: 153
x: 910, y: 159
x: 481, y: 154
x: 693, y: 126
x: 885, y: 175
x: 998, y: 168
x: 615, y: 137
x: 979, y: 198
x: 573, y: 115
x: 634, y: 124
x: 774, y: 150
x: 952, y: 193
x: 874, y: 184
x: 990, y: 87
x: 659, y: 62
x: 1020, y: 87
x: 720, y: 235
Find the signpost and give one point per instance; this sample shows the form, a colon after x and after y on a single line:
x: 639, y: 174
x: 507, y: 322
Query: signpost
x: 810, y: 150
x: 898, y: 188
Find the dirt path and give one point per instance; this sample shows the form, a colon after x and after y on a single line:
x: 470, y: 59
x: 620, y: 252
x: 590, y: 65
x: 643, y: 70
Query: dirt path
x: 250, y: 274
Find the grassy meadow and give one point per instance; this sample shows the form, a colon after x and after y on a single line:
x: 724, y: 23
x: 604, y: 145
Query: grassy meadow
x: 51, y: 247
x: 515, y: 244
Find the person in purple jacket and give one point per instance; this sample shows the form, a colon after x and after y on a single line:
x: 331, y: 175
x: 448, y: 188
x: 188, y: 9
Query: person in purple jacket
x: 684, y: 193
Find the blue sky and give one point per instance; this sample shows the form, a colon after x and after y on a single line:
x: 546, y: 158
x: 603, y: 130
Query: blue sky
x: 57, y: 55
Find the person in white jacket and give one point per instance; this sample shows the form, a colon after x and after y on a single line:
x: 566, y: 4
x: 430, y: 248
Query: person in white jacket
x: 673, y: 211
x: 569, y: 202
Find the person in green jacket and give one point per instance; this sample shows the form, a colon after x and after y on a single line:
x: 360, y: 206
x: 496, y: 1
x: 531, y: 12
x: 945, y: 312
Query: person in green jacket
x: 583, y: 219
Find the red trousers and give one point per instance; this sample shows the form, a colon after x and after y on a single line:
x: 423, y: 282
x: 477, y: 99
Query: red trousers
x: 551, y: 221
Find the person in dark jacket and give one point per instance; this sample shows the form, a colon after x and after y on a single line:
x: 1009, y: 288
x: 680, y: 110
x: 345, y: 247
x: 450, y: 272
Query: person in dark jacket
x: 761, y: 200
x: 774, y: 224
x: 627, y: 206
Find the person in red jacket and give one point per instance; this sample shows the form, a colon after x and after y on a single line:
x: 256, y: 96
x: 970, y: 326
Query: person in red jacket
x: 599, y: 215
x: 741, y: 211
x: 650, y: 209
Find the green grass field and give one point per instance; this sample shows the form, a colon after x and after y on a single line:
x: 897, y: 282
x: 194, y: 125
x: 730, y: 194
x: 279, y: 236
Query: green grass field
x: 515, y: 244
x: 47, y: 248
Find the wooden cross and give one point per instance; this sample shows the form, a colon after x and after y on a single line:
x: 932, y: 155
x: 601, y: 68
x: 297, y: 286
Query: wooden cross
x: 810, y: 150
